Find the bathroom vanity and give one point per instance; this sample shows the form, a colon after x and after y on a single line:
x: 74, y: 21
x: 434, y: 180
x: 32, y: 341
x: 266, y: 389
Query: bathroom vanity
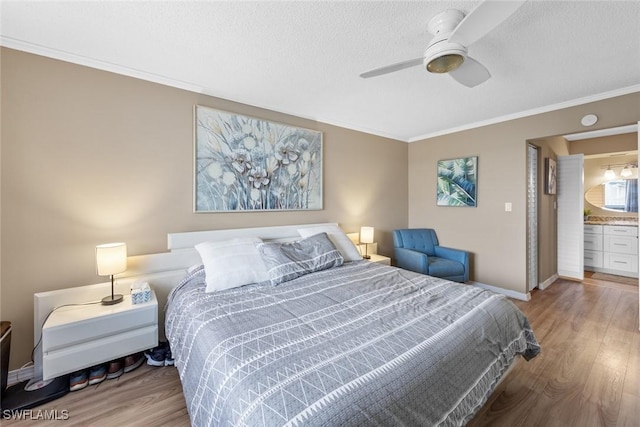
x: 611, y: 248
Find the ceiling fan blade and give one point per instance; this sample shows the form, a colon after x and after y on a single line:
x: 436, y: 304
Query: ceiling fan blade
x: 484, y: 18
x: 471, y: 73
x: 393, y: 67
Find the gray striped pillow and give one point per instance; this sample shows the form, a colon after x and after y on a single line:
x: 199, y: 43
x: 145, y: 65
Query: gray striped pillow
x: 286, y: 261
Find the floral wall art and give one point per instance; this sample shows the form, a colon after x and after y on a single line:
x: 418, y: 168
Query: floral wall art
x: 457, y: 180
x: 248, y: 164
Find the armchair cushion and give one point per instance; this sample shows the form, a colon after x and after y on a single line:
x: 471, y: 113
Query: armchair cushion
x: 418, y: 250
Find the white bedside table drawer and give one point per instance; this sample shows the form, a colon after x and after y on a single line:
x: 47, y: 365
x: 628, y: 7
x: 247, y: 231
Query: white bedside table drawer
x: 73, y: 326
x: 80, y: 336
x: 69, y: 359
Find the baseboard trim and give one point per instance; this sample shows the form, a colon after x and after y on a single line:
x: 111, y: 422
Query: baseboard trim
x: 544, y: 285
x: 19, y: 375
x: 508, y: 292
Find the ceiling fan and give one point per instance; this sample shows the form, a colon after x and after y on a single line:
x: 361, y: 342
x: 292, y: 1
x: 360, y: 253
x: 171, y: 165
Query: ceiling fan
x: 453, y: 33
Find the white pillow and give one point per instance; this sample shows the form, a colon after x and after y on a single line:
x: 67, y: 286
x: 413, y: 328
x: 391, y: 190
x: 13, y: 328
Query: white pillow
x: 340, y: 240
x: 232, y: 263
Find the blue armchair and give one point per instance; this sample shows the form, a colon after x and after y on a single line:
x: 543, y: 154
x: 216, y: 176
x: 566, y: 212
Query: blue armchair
x: 417, y: 249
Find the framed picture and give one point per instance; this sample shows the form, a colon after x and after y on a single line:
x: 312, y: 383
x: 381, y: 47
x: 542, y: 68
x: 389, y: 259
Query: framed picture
x: 245, y: 164
x: 457, y: 182
x: 550, y: 176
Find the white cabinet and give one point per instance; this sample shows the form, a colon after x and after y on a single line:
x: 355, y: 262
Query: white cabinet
x: 80, y: 336
x: 593, y: 243
x: 593, y: 259
x: 611, y: 249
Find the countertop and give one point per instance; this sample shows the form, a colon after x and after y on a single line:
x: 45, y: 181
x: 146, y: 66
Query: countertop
x: 620, y: 223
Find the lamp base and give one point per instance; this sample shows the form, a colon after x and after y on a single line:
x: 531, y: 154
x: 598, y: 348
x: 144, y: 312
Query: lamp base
x: 366, y: 256
x: 111, y: 299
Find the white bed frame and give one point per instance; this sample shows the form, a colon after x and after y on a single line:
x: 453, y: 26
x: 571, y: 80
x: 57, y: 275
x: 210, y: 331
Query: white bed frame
x: 163, y: 271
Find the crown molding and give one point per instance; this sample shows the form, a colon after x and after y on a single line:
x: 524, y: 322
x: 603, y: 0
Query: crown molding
x: 535, y: 111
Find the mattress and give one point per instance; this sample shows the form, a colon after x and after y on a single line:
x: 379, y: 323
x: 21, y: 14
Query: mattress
x: 359, y: 344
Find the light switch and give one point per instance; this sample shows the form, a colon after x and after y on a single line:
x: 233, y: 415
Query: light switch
x: 507, y: 206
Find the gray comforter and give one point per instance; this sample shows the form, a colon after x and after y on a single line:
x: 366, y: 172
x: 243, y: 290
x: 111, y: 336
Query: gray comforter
x: 361, y: 344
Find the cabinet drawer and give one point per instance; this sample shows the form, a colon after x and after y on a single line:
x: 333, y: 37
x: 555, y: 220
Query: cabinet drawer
x: 622, y: 262
x: 621, y: 230
x: 593, y: 229
x: 593, y: 259
x: 621, y: 244
x: 106, y: 322
x: 69, y: 359
x: 593, y: 242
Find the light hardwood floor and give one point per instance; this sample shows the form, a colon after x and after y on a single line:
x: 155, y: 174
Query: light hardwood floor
x: 588, y: 373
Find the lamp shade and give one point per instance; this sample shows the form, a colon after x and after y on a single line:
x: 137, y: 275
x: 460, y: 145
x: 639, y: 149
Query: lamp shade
x: 111, y: 258
x: 366, y: 234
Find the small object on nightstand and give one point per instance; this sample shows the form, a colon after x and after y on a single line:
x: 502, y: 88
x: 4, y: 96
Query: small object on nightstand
x: 111, y: 259
x: 366, y: 237
x: 140, y: 292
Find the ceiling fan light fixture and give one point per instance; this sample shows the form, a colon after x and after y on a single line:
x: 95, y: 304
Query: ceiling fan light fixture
x: 445, y: 63
x: 443, y: 56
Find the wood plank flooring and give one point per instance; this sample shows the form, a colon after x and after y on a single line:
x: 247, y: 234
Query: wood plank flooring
x: 588, y: 373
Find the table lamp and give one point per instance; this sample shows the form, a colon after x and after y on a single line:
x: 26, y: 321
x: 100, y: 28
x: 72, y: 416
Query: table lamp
x: 111, y: 258
x: 366, y: 237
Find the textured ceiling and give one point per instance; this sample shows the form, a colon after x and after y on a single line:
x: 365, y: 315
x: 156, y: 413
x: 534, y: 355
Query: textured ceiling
x: 304, y: 58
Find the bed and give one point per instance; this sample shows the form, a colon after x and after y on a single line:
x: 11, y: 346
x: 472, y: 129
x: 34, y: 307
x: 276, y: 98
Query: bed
x: 355, y: 343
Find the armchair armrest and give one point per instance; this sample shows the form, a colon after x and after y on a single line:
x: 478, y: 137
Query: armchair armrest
x: 455, y: 255
x: 411, y: 260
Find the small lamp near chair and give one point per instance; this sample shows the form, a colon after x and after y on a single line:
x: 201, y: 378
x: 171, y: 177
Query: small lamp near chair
x: 366, y: 237
x: 111, y: 258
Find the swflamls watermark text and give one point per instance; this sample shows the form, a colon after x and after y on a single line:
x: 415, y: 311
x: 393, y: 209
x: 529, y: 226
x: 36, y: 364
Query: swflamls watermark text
x: 35, y: 414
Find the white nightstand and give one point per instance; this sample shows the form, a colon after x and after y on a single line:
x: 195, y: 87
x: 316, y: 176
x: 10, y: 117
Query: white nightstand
x: 380, y: 259
x: 81, y: 336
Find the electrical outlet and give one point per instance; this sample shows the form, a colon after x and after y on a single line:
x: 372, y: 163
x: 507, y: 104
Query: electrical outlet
x: 507, y: 206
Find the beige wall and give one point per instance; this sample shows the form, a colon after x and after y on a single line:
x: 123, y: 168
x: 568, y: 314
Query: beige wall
x: 91, y: 157
x: 605, y: 144
x: 497, y: 239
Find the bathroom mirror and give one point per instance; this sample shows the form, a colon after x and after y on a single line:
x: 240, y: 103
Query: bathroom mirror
x: 612, y: 195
